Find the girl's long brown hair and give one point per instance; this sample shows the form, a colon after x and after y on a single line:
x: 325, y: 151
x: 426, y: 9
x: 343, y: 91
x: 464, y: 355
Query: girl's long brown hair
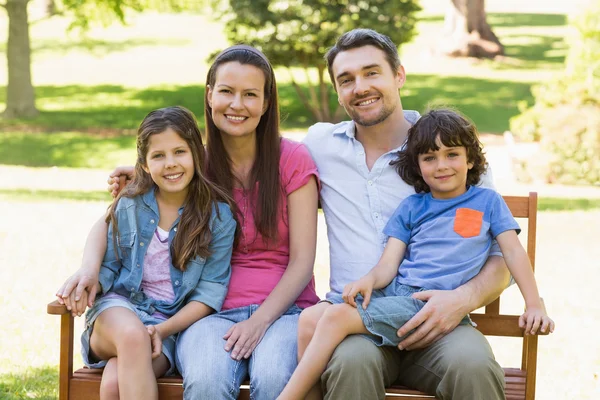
x: 194, y: 232
x: 265, y: 170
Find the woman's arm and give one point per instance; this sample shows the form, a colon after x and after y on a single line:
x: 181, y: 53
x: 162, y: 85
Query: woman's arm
x: 302, y: 217
x: 86, y: 277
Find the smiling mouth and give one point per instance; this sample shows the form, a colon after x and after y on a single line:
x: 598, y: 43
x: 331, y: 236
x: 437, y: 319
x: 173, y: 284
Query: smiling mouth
x: 235, y: 118
x: 173, y: 177
x: 366, y: 102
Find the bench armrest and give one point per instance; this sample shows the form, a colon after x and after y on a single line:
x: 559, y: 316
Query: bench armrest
x: 55, y: 308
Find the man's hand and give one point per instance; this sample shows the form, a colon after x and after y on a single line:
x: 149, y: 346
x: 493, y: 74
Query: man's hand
x: 364, y: 286
x: 442, y: 313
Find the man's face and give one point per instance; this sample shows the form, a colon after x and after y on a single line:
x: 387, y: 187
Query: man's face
x: 366, y: 85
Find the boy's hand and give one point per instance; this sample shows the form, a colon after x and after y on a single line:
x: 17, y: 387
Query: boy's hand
x: 155, y: 340
x: 364, y: 286
x: 535, y: 319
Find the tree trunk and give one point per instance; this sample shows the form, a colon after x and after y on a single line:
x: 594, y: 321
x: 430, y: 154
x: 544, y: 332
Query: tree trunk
x: 20, y: 96
x: 467, y: 33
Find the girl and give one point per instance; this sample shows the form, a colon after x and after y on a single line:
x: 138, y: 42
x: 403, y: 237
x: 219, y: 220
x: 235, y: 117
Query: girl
x: 167, y: 262
x: 274, y: 184
x: 440, y: 237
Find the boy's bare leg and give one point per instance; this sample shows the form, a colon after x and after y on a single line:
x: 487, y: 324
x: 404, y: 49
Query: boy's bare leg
x: 337, y: 322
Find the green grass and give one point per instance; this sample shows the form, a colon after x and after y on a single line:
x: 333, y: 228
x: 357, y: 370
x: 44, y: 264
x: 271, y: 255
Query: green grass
x: 33, y: 383
x: 562, y: 204
x: 66, y: 149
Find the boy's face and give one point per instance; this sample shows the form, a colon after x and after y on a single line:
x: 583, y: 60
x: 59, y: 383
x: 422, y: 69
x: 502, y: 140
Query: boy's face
x: 445, y: 170
x: 366, y: 85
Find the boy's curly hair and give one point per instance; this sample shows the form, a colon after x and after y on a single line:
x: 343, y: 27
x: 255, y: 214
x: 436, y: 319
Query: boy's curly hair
x: 454, y: 130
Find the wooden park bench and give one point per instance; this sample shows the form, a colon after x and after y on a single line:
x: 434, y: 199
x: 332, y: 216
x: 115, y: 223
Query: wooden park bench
x: 84, y: 384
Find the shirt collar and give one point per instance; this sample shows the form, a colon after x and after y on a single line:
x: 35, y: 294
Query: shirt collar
x: 149, y: 198
x: 348, y: 128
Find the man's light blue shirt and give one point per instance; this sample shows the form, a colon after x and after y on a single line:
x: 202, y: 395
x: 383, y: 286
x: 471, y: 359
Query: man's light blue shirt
x: 357, y: 202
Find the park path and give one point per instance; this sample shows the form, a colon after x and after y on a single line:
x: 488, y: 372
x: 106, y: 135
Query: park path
x: 80, y: 179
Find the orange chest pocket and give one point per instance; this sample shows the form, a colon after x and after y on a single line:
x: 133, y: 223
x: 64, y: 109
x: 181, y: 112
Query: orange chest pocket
x: 467, y: 222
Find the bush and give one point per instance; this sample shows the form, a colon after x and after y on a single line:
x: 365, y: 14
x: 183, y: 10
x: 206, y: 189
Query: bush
x: 565, y: 118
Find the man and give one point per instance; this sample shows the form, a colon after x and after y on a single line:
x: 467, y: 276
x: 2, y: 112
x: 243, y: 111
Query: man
x: 360, y: 191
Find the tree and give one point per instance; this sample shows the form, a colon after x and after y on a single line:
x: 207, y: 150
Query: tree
x: 467, y: 33
x: 297, y: 33
x: 20, y: 94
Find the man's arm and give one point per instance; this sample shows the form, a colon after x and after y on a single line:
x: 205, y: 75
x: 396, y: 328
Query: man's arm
x: 446, y: 308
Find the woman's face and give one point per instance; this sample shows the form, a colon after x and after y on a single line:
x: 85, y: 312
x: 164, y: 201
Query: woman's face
x: 237, y: 99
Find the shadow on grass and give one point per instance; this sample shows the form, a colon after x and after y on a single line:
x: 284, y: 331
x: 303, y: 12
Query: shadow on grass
x: 35, y: 383
x: 514, y: 20
x: 96, y: 47
x: 110, y: 109
x: 74, y: 150
x: 538, y: 52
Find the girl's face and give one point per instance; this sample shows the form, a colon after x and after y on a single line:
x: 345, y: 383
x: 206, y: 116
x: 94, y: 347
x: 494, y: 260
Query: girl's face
x: 170, y: 163
x: 237, y: 99
x: 445, y: 170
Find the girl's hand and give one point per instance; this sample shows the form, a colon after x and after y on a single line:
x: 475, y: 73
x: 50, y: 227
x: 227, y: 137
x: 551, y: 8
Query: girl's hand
x: 534, y: 319
x: 155, y: 340
x: 243, y: 337
x: 118, y: 179
x: 364, y: 286
x: 71, y: 293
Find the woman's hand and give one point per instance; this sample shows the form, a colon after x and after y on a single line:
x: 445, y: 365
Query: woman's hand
x: 79, y: 291
x: 243, y: 337
x: 118, y: 179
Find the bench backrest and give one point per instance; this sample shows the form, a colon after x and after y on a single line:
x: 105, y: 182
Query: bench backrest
x: 495, y: 324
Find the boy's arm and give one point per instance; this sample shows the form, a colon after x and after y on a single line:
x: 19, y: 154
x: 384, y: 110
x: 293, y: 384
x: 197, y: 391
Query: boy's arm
x: 387, y: 267
x: 519, y: 267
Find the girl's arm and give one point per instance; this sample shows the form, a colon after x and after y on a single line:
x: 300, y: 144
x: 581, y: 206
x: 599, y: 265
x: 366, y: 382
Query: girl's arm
x: 302, y: 217
x: 86, y: 277
x: 535, y: 316
x: 190, y: 313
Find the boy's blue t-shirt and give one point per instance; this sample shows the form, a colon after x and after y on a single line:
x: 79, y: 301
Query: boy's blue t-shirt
x: 449, y: 240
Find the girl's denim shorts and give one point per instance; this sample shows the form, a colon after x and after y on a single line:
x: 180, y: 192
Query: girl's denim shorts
x: 114, y: 300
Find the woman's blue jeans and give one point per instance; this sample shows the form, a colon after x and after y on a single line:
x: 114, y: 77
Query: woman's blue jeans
x: 209, y: 372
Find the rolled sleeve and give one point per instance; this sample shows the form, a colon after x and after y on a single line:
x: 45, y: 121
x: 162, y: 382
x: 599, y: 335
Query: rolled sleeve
x: 110, y: 265
x: 212, y: 285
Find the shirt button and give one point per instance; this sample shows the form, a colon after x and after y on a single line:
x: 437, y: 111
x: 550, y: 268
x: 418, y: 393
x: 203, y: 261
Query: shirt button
x: 370, y: 183
x: 176, y: 283
x: 175, y: 229
x: 141, y: 244
x: 361, y: 153
x: 376, y: 215
x: 138, y: 265
x: 132, y: 289
x: 151, y: 221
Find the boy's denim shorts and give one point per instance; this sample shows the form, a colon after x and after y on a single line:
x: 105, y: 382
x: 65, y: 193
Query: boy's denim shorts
x: 114, y: 300
x: 389, y: 309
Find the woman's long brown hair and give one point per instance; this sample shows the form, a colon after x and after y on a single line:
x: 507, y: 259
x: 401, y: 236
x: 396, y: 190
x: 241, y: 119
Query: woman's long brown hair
x: 265, y: 170
x: 194, y: 231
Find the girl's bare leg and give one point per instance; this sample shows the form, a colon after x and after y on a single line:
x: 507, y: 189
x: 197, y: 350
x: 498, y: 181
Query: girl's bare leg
x: 119, y: 333
x: 337, y: 322
x: 109, y: 386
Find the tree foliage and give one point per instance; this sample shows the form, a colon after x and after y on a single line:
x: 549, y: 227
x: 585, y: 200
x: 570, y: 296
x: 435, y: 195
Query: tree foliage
x: 297, y: 33
x: 565, y: 118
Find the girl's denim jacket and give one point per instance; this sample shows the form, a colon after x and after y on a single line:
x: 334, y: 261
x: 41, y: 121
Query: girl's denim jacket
x: 204, y: 280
